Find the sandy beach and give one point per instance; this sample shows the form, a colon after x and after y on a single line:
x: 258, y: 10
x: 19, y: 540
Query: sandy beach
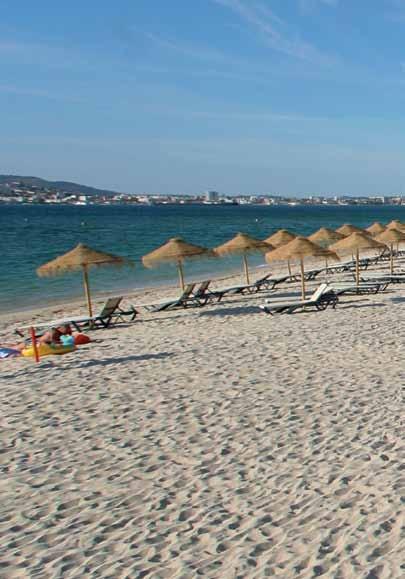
x: 210, y: 442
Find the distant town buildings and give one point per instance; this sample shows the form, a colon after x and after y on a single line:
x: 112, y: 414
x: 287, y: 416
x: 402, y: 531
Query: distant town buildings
x: 212, y: 197
x: 18, y: 192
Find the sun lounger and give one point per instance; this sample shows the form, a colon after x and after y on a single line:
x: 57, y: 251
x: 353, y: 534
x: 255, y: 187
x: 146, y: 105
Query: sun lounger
x: 109, y: 313
x: 340, y: 267
x: 219, y: 293
x: 202, y: 293
x: 383, y: 277
x: 320, y: 300
x: 344, y: 266
x: 309, y: 275
x: 341, y: 288
x: 268, y: 282
x: 185, y: 300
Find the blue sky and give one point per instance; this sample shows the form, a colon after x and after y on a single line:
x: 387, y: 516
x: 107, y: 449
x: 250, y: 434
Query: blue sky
x: 180, y: 96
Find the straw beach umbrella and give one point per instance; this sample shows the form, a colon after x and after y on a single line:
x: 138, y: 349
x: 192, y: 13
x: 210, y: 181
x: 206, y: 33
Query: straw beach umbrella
x: 81, y: 257
x: 243, y: 244
x: 348, y: 229
x: 354, y: 243
x: 300, y: 248
x: 389, y: 237
x: 375, y: 228
x: 281, y: 237
x: 396, y: 224
x: 325, y: 237
x: 175, y: 250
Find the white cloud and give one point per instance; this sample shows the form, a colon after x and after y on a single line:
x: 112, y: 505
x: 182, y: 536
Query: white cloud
x: 40, y: 93
x: 54, y: 56
x: 313, y: 4
x: 202, y: 53
x: 275, y: 32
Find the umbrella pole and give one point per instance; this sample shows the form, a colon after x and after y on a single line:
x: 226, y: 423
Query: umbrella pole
x: 302, y: 278
x: 181, y: 274
x: 87, y: 290
x: 357, y: 268
x: 289, y: 268
x: 34, y: 344
x: 392, y: 258
x: 245, y: 265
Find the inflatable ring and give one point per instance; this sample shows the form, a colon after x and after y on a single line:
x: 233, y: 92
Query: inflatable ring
x: 48, y: 350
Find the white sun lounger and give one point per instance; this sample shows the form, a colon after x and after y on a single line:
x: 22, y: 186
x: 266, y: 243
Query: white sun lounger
x: 322, y: 297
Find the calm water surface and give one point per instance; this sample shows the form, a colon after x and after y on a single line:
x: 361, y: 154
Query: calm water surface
x: 33, y: 235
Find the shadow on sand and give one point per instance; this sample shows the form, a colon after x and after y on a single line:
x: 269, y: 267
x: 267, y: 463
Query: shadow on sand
x: 231, y: 311
x: 124, y: 359
x: 343, y: 306
x: 398, y: 300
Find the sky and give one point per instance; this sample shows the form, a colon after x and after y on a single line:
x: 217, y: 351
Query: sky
x: 289, y: 97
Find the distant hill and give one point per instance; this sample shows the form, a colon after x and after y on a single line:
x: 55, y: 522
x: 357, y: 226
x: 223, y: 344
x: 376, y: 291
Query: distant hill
x: 60, y: 185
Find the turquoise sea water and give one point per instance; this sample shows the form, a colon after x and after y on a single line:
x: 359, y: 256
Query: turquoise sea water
x: 33, y: 235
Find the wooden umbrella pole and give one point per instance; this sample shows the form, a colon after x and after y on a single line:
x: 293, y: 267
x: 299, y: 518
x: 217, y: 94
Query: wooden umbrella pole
x: 302, y: 278
x: 392, y: 258
x: 181, y: 274
x: 87, y: 289
x: 245, y: 263
x: 289, y: 267
x: 357, y: 268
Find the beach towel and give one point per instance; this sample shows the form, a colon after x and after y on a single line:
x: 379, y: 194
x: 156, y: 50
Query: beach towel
x: 8, y: 353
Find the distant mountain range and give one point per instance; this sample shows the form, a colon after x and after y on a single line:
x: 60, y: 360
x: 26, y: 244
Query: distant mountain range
x: 66, y: 186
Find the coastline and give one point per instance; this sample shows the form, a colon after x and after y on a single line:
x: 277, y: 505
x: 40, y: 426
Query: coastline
x: 34, y: 235
x: 153, y: 290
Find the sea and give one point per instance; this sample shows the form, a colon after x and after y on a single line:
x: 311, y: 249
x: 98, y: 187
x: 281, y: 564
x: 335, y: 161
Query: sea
x: 34, y: 234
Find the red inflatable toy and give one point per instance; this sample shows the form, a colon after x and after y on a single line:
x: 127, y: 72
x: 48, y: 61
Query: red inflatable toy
x: 81, y: 339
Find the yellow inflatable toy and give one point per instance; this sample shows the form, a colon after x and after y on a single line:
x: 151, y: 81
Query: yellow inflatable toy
x: 48, y: 350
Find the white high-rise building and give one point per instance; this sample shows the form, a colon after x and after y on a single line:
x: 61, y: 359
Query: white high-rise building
x: 212, y: 196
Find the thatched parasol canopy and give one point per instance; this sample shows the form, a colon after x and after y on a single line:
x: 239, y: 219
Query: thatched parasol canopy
x: 396, y: 224
x: 375, y: 228
x: 281, y: 237
x: 389, y: 237
x: 354, y: 243
x: 300, y: 248
x: 81, y: 257
x: 243, y: 244
x: 175, y: 250
x: 325, y: 236
x: 348, y: 229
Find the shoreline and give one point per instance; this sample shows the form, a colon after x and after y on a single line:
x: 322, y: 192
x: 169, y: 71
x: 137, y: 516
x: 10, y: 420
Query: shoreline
x: 124, y: 290
x: 118, y: 230
x: 158, y: 291
x: 154, y: 292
